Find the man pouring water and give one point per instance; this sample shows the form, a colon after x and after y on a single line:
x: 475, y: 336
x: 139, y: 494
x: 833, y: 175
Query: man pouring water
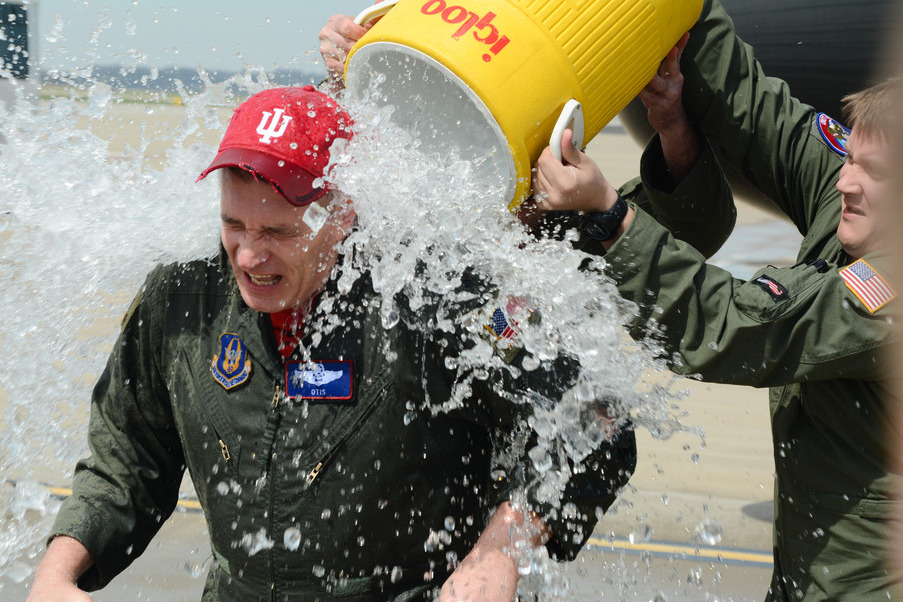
x: 309, y: 428
x: 817, y: 333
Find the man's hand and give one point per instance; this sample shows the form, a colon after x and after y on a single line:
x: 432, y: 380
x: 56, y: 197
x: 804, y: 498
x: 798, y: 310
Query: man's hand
x: 575, y: 185
x: 337, y: 38
x: 489, y: 572
x: 64, y: 562
x: 663, y: 99
x: 663, y: 95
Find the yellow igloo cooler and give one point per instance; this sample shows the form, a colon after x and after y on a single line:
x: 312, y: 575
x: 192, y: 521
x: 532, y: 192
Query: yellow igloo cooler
x: 491, y: 79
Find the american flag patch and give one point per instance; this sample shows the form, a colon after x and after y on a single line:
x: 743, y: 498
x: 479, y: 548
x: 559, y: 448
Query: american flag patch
x: 868, y: 285
x: 500, y: 326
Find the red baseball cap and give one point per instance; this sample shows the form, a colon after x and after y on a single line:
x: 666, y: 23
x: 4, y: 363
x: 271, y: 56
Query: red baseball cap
x: 283, y: 135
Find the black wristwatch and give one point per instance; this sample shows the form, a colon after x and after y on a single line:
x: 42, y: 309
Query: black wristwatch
x: 603, y: 225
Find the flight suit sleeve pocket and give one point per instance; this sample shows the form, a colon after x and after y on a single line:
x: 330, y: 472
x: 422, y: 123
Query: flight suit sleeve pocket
x: 775, y: 293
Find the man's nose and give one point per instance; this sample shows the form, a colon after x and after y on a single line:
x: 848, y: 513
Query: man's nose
x: 252, y: 252
x: 846, y: 183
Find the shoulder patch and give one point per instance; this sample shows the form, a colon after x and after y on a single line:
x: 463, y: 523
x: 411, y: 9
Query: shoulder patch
x: 834, y: 134
x: 505, y: 325
x: 868, y: 285
x: 774, y: 288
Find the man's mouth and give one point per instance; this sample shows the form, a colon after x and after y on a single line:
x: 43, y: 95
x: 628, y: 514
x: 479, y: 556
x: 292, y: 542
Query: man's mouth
x: 852, y: 209
x: 264, y: 279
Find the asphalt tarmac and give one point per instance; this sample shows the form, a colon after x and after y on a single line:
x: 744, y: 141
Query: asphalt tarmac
x: 695, y: 522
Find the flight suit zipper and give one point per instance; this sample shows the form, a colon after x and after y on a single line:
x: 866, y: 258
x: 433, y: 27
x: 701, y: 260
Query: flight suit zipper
x: 271, y: 485
x: 335, y: 449
x: 224, y: 449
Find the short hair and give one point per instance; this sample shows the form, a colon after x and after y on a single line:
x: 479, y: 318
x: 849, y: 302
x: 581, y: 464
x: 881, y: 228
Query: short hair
x: 875, y: 111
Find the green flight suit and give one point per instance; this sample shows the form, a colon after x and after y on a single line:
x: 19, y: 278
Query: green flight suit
x: 799, y: 330
x: 365, y: 498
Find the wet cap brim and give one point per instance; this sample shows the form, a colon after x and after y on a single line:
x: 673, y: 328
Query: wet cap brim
x: 294, y: 183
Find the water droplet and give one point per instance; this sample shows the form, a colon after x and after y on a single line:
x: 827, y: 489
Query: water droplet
x: 256, y: 542
x: 640, y: 534
x: 318, y: 570
x: 390, y: 319
x: 449, y: 523
x: 542, y: 461
x: 194, y: 569
x: 291, y: 539
x: 326, y: 513
x: 710, y: 531
x: 396, y: 575
x: 18, y: 571
x: 694, y: 576
x: 530, y: 363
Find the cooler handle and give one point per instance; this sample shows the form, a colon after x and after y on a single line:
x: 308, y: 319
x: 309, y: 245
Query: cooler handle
x: 377, y: 10
x: 571, y: 117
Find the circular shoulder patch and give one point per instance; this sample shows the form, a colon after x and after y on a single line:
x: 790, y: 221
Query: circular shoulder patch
x: 835, y: 134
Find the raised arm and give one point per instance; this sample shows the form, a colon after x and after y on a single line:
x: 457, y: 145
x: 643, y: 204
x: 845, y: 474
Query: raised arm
x: 782, y: 326
x: 755, y: 122
x: 337, y: 38
x: 681, y: 184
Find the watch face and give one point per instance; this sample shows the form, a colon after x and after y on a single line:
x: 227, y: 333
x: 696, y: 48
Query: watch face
x: 597, y: 231
x: 602, y: 225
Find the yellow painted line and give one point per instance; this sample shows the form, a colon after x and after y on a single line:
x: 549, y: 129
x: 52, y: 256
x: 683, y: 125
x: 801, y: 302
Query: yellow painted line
x: 720, y: 554
x: 681, y: 550
x: 185, y: 504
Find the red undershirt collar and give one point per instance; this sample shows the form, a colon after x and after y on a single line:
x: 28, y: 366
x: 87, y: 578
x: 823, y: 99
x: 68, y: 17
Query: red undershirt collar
x: 288, y: 327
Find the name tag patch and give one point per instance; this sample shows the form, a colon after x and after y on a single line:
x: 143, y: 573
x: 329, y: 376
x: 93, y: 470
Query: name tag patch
x: 324, y: 380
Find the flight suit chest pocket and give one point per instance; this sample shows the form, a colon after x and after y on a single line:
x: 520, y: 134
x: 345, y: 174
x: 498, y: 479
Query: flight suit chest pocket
x: 201, y: 405
x: 371, y: 398
x: 773, y: 293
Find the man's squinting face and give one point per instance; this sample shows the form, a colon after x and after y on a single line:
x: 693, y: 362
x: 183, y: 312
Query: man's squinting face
x: 278, y: 261
x: 866, y: 183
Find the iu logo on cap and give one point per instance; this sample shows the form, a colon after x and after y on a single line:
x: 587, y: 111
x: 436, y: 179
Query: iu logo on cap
x: 273, y: 129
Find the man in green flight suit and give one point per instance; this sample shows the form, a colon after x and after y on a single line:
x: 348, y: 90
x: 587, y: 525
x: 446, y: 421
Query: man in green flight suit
x: 816, y: 333
x: 308, y: 428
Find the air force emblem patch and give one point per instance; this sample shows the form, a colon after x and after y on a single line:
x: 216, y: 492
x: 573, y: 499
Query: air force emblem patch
x: 834, y: 134
x: 231, y: 366
x: 322, y: 380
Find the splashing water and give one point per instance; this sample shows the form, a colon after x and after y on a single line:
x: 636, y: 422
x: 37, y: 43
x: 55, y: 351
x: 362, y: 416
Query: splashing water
x: 98, y: 188
x: 97, y: 191
x: 425, y: 221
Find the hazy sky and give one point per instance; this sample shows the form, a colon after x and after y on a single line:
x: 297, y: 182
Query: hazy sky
x: 218, y: 34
